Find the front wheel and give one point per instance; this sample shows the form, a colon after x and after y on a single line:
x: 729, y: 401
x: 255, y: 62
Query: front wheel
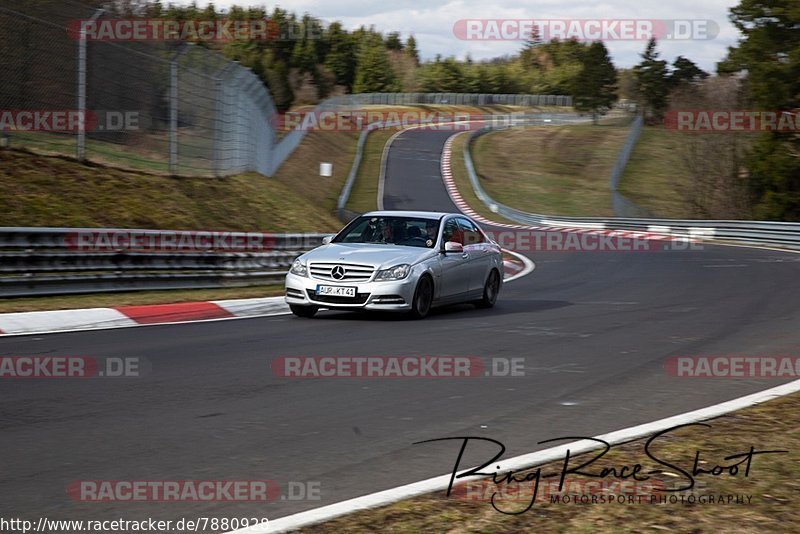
x: 423, y: 298
x: 490, y: 291
x: 303, y: 311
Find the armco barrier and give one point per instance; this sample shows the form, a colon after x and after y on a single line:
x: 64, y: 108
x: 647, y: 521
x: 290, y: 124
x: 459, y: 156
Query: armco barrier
x: 55, y: 261
x: 767, y: 233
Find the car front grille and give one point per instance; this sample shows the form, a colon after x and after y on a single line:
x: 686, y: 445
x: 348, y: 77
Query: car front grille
x: 353, y: 272
x: 360, y: 298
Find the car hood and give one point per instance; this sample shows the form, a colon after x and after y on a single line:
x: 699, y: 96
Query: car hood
x: 378, y: 256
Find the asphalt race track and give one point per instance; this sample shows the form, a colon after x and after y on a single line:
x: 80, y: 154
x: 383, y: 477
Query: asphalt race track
x: 594, y: 330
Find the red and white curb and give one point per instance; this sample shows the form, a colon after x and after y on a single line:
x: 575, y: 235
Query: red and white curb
x: 580, y: 228
x: 45, y: 322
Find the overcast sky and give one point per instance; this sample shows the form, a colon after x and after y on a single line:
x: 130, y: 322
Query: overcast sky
x: 432, y: 21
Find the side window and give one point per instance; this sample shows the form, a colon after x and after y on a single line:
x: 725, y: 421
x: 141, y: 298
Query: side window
x: 472, y: 235
x: 452, y: 232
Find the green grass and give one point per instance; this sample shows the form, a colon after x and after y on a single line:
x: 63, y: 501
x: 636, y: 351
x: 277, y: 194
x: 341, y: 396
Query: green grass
x: 54, y: 191
x: 461, y: 179
x: 772, y: 483
x: 655, y: 176
x: 129, y: 298
x: 364, y: 195
x: 300, y: 173
x: 554, y: 170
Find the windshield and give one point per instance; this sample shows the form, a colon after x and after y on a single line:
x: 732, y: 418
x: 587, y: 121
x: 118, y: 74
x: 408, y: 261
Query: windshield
x: 404, y: 231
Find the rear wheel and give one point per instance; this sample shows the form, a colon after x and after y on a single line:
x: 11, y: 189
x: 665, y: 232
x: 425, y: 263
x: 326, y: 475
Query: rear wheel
x: 490, y: 291
x: 303, y: 311
x: 423, y: 298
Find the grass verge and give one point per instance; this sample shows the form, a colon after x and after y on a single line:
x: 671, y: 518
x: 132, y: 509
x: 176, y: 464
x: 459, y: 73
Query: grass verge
x: 655, y: 177
x: 771, y: 485
x: 459, y: 171
x: 102, y: 300
x: 554, y: 170
x: 54, y: 191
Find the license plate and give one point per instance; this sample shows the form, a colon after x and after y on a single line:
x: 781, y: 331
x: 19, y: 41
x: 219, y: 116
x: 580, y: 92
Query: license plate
x: 336, y: 291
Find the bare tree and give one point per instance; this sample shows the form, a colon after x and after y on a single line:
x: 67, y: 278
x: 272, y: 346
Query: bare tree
x: 714, y: 160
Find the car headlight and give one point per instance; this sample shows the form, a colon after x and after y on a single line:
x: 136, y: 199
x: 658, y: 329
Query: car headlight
x: 299, y: 268
x: 398, y: 272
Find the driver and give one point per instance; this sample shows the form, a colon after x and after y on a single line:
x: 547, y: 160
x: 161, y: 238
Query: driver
x: 386, y: 231
x: 430, y: 229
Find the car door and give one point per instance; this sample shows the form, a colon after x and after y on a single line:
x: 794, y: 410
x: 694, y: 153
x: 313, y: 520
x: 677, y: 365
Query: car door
x: 455, y: 276
x: 479, y: 255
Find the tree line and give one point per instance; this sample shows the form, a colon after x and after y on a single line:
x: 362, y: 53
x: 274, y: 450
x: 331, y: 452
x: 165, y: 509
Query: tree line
x: 750, y: 175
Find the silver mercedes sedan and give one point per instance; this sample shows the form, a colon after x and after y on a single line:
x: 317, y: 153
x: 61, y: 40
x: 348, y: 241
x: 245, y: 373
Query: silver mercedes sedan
x: 403, y: 261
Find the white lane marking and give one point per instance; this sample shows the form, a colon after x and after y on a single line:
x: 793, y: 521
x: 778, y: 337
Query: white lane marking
x: 440, y: 483
x: 62, y: 320
x: 759, y: 247
x: 528, y: 268
x: 249, y: 307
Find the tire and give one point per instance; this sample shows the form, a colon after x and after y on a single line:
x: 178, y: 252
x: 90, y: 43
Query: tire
x: 490, y: 291
x: 303, y: 311
x: 423, y: 298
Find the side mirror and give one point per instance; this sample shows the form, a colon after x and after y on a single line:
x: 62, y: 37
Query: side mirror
x: 327, y: 239
x: 452, y: 247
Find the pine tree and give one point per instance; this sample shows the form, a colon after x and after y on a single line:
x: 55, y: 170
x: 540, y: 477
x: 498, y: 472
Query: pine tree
x: 769, y: 53
x: 652, y: 80
x: 685, y: 71
x: 393, y: 42
x: 595, y: 87
x: 374, y: 74
x: 411, y: 49
x: 341, y: 58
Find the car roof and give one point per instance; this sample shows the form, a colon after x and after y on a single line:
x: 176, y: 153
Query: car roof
x: 420, y: 214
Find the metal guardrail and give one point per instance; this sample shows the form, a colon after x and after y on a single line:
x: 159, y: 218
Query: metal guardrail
x: 457, y: 99
x: 783, y: 234
x: 59, y: 261
x: 622, y: 205
x: 343, y: 213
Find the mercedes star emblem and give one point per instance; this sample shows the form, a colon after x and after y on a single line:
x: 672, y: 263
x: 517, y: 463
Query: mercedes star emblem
x: 338, y: 272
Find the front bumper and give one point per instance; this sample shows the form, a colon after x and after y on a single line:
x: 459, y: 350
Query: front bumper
x: 387, y: 296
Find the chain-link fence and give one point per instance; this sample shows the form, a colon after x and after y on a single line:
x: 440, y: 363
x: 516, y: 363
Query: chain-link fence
x: 161, y: 106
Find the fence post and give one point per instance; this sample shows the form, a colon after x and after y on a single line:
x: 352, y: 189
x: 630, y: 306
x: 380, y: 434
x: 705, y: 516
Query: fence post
x: 173, y: 109
x: 80, y: 148
x: 219, y: 112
